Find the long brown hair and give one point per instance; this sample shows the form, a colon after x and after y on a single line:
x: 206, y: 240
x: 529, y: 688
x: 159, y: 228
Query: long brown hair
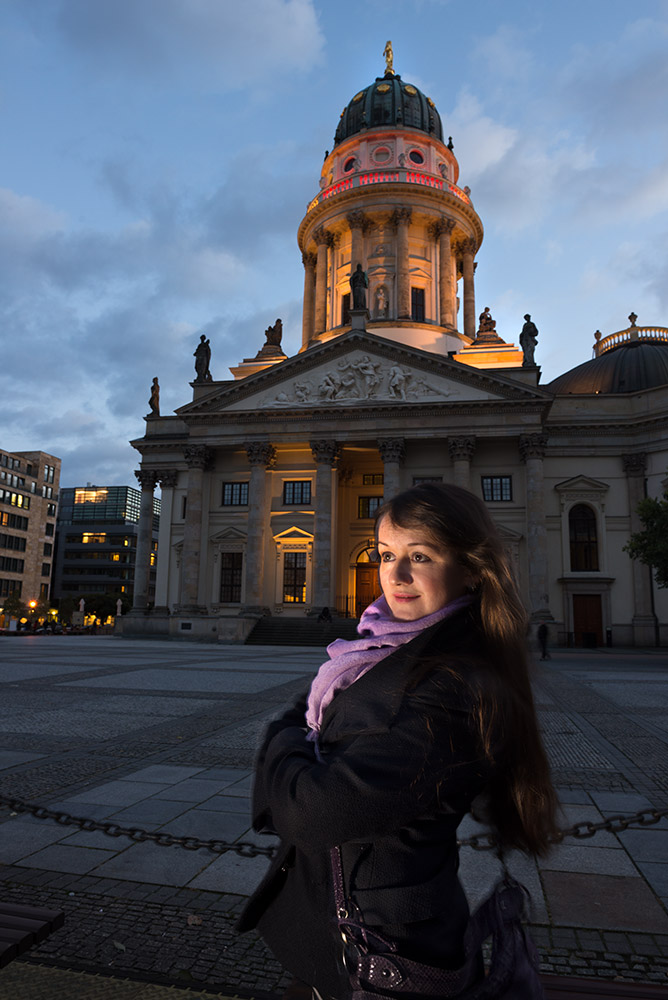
x: 522, y: 802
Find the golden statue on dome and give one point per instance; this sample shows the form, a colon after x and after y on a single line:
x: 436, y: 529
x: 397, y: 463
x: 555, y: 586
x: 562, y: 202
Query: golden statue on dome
x: 389, y: 59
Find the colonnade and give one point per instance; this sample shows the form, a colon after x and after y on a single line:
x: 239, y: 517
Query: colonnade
x: 454, y: 253
x: 326, y: 454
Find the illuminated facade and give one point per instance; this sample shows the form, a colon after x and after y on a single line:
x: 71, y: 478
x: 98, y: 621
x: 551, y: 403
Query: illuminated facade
x: 97, y: 537
x: 270, y: 481
x: 29, y: 482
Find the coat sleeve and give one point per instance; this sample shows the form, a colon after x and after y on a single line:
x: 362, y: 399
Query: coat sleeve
x: 374, y: 783
x: 294, y: 717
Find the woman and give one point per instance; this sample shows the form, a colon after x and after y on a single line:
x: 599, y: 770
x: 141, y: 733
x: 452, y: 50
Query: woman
x: 402, y: 729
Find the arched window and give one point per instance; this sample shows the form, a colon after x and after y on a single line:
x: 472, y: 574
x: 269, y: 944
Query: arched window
x: 584, y: 543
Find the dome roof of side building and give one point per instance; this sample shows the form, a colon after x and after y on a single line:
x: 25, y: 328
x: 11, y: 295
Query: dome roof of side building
x: 389, y: 103
x: 629, y: 367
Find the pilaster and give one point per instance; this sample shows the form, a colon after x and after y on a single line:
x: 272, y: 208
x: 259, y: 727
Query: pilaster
x: 643, y: 620
x: 392, y: 451
x: 461, y: 452
x: 198, y: 458
x: 147, y: 481
x: 261, y: 457
x: 325, y: 455
x: 532, y: 452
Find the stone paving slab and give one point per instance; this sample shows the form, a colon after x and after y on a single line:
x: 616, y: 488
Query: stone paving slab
x: 27, y: 981
x: 184, y: 765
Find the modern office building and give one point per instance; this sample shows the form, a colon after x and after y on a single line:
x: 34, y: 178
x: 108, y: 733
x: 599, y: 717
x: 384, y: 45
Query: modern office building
x: 29, y: 482
x: 97, y: 541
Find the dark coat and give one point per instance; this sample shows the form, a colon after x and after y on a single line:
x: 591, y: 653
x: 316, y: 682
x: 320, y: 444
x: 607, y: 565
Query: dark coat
x: 400, y: 770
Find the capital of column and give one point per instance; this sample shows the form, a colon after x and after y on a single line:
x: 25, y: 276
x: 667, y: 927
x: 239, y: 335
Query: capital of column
x: 147, y: 478
x: 325, y: 452
x: 392, y: 449
x: 359, y: 220
x: 309, y: 259
x: 260, y: 453
x: 635, y: 464
x: 440, y: 226
x: 468, y: 246
x: 461, y: 448
x: 532, y: 446
x: 401, y: 216
x: 323, y: 237
x: 197, y: 456
x: 167, y: 478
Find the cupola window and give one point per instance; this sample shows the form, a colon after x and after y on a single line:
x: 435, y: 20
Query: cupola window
x: 416, y: 156
x: 349, y: 165
x: 381, y: 155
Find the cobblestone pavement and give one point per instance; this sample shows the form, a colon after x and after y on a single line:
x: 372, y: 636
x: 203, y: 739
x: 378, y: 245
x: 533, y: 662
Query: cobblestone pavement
x: 162, y: 734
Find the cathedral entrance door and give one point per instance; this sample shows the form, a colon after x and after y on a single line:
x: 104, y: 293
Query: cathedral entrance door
x: 367, y: 588
x: 587, y: 620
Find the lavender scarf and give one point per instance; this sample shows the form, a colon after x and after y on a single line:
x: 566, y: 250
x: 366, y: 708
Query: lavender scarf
x: 380, y: 633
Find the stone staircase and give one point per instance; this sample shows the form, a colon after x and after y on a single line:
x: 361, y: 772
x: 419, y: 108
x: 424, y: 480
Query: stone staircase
x: 274, y: 631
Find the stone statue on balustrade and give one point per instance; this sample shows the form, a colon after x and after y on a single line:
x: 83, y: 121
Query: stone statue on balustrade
x: 528, y: 341
x: 487, y: 324
x: 154, y: 401
x: 202, y: 357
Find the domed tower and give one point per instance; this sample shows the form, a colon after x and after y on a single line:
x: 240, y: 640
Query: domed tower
x: 389, y: 200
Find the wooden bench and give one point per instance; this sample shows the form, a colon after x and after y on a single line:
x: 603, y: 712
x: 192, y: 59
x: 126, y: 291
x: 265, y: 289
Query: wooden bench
x: 23, y: 926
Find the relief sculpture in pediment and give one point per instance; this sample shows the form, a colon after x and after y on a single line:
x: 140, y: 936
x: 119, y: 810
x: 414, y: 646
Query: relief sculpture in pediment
x: 360, y: 379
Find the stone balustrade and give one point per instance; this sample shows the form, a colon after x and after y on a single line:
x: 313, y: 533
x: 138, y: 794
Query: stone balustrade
x: 659, y: 334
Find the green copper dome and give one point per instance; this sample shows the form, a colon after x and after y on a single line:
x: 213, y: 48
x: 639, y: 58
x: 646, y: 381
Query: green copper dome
x: 389, y: 103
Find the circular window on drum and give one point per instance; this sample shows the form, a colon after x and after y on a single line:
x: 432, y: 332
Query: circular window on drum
x: 416, y: 156
x: 381, y: 155
x: 349, y: 165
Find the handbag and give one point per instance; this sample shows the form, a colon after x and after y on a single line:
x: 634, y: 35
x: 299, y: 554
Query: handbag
x: 377, y: 970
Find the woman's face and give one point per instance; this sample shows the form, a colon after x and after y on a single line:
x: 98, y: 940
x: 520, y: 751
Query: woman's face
x: 417, y: 575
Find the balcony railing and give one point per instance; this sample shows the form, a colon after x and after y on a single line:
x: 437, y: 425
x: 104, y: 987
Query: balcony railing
x: 394, y: 176
x: 650, y: 334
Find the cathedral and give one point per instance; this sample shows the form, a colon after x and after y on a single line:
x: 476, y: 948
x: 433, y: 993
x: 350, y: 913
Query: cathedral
x: 270, y: 480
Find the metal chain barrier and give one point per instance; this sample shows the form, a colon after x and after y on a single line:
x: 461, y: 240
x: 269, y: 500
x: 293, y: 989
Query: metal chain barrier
x: 479, y: 842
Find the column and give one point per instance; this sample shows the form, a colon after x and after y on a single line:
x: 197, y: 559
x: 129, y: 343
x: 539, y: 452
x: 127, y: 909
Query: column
x: 441, y: 230
x: 468, y: 251
x: 461, y: 453
x: 261, y: 456
x: 401, y: 218
x: 147, y: 481
x: 167, y: 479
x: 324, y: 240
x: 644, y: 620
x: 359, y: 224
x: 325, y: 455
x: 308, y: 319
x: 392, y: 451
x: 197, y: 459
x: 532, y: 451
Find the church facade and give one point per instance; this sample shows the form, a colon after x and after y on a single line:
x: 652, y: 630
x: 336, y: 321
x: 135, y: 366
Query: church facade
x: 270, y: 480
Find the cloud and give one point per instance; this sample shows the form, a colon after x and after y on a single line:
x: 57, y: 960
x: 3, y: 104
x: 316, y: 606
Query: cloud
x: 205, y: 42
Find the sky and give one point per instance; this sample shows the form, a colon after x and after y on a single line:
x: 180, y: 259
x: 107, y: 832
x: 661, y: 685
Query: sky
x: 157, y: 157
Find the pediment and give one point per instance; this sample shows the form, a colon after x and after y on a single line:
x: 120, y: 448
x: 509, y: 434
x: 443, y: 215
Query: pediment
x: 582, y: 484
x: 229, y: 534
x: 293, y: 534
x: 360, y: 369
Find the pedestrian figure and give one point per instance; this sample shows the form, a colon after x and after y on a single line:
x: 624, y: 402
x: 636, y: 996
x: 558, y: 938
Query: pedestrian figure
x: 543, y: 635
x: 325, y: 616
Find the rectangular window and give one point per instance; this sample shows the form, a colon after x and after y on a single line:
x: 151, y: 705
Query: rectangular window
x: 13, y: 521
x: 46, y: 569
x: 297, y: 491
x: 44, y: 591
x: 235, y: 494
x: 367, y: 506
x: 345, y: 309
x: 10, y: 565
x: 90, y: 538
x: 12, y: 542
x: 48, y: 549
x: 8, y: 587
x: 184, y: 507
x: 48, y: 530
x: 49, y: 471
x: 294, y: 578
x: 417, y: 304
x: 230, y: 577
x: 51, y: 510
x: 497, y: 488
x: 373, y: 479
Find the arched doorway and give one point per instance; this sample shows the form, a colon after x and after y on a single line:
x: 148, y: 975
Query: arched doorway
x: 367, y: 588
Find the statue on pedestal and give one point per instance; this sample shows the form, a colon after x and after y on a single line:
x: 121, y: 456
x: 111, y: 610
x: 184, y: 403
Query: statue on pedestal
x: 202, y: 356
x: 154, y: 401
x: 389, y: 58
x: 487, y: 324
x: 528, y: 341
x: 359, y: 283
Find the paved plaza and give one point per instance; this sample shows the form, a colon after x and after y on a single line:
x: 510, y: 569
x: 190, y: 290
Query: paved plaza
x: 161, y: 735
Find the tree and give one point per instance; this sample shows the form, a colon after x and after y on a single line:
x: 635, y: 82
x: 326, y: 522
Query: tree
x: 13, y: 606
x: 650, y: 546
